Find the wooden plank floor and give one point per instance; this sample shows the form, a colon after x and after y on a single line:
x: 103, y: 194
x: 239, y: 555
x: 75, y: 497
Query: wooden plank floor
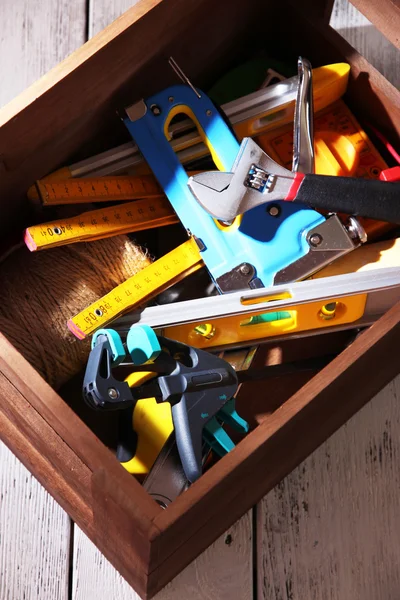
x: 329, y: 530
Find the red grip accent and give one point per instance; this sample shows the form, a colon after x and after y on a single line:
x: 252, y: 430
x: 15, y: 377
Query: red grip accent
x: 294, y: 188
x: 392, y: 174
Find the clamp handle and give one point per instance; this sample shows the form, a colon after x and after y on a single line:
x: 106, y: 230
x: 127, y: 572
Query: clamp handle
x: 197, y: 389
x: 100, y: 388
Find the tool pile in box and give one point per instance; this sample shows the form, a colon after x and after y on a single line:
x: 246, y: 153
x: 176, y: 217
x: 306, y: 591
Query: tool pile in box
x: 274, y: 190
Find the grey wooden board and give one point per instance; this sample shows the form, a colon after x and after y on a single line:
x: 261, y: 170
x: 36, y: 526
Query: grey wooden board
x: 331, y: 528
x: 34, y: 537
x: 35, y: 35
x: 312, y: 534
x: 223, y: 571
x: 34, y: 531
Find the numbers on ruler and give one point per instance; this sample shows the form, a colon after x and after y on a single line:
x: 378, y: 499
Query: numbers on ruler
x: 57, y: 229
x: 97, y: 313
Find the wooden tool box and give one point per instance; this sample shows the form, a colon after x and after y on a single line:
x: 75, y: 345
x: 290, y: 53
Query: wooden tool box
x: 71, y: 113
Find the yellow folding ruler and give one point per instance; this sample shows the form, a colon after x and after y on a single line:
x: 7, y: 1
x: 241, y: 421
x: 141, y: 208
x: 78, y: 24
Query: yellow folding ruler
x: 101, y: 223
x: 139, y: 288
x: 99, y: 189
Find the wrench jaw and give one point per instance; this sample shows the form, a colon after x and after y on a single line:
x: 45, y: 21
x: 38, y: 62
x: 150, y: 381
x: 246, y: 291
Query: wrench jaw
x: 256, y: 179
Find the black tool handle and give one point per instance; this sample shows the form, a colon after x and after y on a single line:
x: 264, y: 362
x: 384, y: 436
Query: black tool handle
x: 196, y: 408
x: 378, y: 200
x: 188, y: 433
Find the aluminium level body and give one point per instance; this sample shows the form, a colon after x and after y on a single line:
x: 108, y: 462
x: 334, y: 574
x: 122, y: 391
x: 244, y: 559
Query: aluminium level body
x: 298, y: 309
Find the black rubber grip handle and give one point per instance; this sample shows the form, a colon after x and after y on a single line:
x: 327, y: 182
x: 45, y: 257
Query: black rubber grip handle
x: 378, y: 200
x: 189, y: 436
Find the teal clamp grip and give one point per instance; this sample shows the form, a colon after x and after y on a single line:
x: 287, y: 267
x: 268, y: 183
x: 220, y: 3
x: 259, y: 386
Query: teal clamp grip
x: 217, y: 438
x: 142, y: 344
x: 116, y: 345
x: 229, y: 415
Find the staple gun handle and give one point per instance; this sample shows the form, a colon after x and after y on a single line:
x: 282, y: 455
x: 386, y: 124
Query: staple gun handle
x: 378, y: 200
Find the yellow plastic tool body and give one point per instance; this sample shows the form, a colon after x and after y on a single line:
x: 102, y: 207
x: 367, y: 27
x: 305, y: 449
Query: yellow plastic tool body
x: 341, y: 145
x: 153, y: 424
x: 329, y: 84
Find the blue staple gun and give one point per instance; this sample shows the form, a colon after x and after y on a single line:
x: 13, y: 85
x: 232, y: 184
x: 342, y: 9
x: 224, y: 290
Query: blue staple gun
x: 264, y: 246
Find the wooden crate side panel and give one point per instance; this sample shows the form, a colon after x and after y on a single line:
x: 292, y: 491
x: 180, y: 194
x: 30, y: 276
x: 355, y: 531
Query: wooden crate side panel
x: 85, y: 496
x: 72, y: 430
x: 47, y: 456
x: 109, y: 495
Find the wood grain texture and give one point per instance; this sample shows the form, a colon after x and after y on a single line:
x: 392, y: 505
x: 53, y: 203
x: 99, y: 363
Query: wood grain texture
x: 103, y: 13
x: 34, y: 535
x: 34, y: 530
x: 223, y: 571
x: 330, y: 529
x: 35, y: 36
x: 367, y: 40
